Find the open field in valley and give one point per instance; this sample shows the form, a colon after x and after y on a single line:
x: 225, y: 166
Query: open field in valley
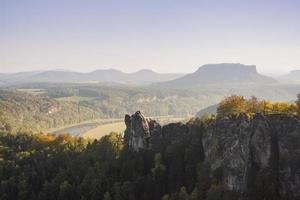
x: 105, y: 129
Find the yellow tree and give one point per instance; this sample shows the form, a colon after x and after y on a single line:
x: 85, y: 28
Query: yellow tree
x: 231, y: 106
x: 267, y: 106
x: 298, y: 103
x: 281, y: 107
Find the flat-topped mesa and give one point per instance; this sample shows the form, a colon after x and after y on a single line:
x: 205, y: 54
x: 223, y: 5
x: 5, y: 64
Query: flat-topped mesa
x: 219, y: 74
x: 228, y: 67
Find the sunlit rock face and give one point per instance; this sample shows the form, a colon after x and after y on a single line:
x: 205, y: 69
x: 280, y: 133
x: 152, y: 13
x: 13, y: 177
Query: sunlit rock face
x: 250, y: 155
x: 139, y: 130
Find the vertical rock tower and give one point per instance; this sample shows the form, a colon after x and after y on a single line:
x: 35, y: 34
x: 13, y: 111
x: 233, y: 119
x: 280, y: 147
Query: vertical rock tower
x: 138, y: 131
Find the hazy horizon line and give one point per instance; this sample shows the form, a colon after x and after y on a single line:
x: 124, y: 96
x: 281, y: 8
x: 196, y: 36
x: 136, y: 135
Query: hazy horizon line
x: 92, y: 69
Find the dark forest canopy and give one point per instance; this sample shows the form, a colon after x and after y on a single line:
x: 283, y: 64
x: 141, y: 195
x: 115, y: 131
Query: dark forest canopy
x: 46, y: 167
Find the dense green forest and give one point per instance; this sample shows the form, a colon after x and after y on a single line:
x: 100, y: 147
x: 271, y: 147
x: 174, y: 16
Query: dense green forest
x: 45, y: 167
x: 22, y: 112
x: 39, y: 166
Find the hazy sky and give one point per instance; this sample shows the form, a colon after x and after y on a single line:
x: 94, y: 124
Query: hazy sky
x: 164, y: 35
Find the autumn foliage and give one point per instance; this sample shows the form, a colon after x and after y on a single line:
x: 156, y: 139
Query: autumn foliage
x: 233, y: 105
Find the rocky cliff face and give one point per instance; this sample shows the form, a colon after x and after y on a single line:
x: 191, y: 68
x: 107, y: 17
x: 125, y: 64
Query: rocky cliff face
x: 259, y: 155
x: 139, y: 130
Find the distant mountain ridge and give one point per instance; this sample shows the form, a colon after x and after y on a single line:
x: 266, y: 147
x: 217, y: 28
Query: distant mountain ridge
x: 209, y: 74
x: 293, y: 77
x: 224, y: 73
x: 144, y: 76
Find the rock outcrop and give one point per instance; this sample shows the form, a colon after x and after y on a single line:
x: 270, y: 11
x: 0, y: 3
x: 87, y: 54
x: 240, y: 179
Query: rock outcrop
x: 257, y: 155
x: 139, y: 130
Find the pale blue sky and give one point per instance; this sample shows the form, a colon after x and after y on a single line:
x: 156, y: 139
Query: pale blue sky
x: 164, y: 35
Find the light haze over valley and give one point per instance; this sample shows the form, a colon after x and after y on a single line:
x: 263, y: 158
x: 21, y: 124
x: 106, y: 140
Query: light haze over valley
x: 149, y: 100
x: 167, y: 37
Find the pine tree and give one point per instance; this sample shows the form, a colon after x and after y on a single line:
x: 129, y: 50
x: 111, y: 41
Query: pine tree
x: 183, y: 195
x: 107, y: 196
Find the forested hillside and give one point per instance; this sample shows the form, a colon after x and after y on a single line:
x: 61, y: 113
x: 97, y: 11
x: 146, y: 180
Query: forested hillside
x: 21, y: 112
x: 39, y: 106
x: 197, y: 160
x: 39, y: 109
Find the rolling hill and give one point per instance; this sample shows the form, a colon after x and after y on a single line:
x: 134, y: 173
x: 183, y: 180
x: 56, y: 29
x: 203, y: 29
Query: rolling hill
x: 292, y: 78
x: 144, y: 76
x: 210, y: 110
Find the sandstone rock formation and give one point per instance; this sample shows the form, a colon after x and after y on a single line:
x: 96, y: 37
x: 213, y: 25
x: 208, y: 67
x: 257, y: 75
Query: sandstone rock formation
x: 261, y: 153
x: 138, y: 131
